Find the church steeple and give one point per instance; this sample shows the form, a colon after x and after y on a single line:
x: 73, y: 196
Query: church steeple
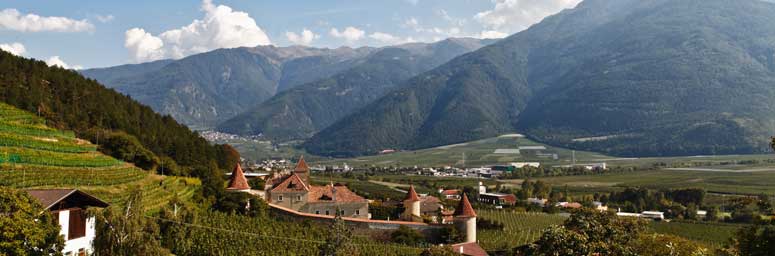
x: 302, y: 169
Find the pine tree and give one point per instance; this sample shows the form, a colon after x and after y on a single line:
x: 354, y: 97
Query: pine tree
x: 339, y: 240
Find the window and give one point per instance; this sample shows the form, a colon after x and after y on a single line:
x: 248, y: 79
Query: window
x: 317, y: 212
x: 77, y: 224
x: 298, y: 198
x: 326, y: 212
x: 280, y: 198
x: 82, y: 252
x: 357, y: 212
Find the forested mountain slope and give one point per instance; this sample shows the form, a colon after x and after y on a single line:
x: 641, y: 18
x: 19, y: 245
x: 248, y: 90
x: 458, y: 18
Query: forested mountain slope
x: 623, y: 77
x: 204, y: 89
x: 306, y: 109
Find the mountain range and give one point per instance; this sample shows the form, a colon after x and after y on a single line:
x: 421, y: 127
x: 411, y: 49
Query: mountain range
x: 300, y: 112
x: 623, y: 77
x: 206, y: 89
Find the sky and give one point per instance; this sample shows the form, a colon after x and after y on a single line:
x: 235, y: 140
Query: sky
x: 98, y: 33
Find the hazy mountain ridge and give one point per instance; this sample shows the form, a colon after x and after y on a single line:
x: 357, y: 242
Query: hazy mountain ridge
x: 656, y: 77
x: 202, y: 90
x: 300, y: 112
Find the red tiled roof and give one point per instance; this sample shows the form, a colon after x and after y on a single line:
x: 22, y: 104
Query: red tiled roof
x: 450, y: 192
x: 326, y: 194
x: 469, y: 249
x: 238, y: 180
x: 464, y: 209
x: 301, y: 166
x: 411, y: 195
x: 292, y: 183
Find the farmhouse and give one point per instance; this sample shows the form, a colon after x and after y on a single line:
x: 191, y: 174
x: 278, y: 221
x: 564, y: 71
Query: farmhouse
x: 69, y: 209
x: 450, y: 194
x: 498, y: 198
x: 294, y: 191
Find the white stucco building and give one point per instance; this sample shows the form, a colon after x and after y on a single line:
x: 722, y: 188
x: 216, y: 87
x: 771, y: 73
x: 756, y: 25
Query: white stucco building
x: 69, y: 209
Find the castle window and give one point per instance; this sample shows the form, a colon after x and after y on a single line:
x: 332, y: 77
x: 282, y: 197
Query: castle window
x: 317, y: 211
x: 280, y: 198
x: 298, y: 198
x: 326, y: 212
x: 357, y: 212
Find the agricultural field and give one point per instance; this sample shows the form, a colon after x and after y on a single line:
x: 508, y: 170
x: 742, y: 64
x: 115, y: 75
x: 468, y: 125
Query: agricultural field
x: 520, y: 228
x: 740, y: 183
x: 33, y: 155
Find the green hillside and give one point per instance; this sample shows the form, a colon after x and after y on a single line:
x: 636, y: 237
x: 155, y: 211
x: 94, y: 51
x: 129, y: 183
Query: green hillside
x: 33, y: 155
x: 620, y: 77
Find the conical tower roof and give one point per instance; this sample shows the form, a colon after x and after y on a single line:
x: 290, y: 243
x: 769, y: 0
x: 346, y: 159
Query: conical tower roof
x: 411, y: 195
x: 237, y: 181
x: 464, y: 208
x: 301, y: 166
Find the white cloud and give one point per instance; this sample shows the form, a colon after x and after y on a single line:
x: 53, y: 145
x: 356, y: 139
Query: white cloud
x: 56, y: 61
x: 105, y: 18
x: 221, y: 27
x: 14, y: 48
x: 305, y: 38
x: 492, y: 34
x: 12, y: 19
x: 511, y: 16
x: 389, y: 39
x: 350, y: 34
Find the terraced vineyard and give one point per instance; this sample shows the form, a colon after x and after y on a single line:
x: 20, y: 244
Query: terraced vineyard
x: 33, y: 155
x: 520, y: 228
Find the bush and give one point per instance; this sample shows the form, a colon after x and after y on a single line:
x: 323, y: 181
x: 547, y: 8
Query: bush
x: 408, y: 236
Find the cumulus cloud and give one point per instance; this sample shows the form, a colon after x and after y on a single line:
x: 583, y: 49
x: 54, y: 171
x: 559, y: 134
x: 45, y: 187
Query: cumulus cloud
x: 350, y: 34
x: 510, y: 16
x: 105, y: 18
x: 389, y: 39
x: 57, y: 61
x: 492, y: 34
x: 305, y: 38
x: 12, y: 19
x: 221, y: 27
x: 14, y: 48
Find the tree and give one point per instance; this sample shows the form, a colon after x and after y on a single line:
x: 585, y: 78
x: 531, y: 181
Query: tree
x: 756, y: 240
x: 406, y: 235
x: 174, y: 236
x: 124, y: 232
x: 339, y: 239
x: 450, y: 235
x: 26, y: 228
x: 589, y: 232
x: 713, y: 214
x: 660, y: 244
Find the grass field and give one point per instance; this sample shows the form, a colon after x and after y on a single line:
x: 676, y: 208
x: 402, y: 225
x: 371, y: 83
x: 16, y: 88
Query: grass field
x: 33, y: 155
x: 522, y: 228
x: 748, y: 183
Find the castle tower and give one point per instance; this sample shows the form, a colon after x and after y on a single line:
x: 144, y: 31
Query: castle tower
x: 465, y: 219
x: 302, y: 169
x: 237, y: 181
x: 411, y: 206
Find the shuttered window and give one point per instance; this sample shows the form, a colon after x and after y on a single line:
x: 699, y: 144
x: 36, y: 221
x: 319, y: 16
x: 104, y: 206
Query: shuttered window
x: 77, y: 227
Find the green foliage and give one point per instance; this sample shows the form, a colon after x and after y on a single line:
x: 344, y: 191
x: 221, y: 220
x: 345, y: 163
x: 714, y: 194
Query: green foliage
x: 659, y: 245
x: 126, y: 231
x: 338, y: 239
x: 66, y: 100
x: 519, y: 228
x: 589, y: 232
x: 757, y: 240
x: 439, y: 251
x: 408, y: 236
x: 127, y: 148
x: 26, y: 228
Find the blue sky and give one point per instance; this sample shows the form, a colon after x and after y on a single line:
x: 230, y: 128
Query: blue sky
x: 92, y: 33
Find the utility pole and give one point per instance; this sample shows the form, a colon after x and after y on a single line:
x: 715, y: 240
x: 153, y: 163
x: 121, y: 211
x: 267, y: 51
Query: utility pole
x: 574, y: 157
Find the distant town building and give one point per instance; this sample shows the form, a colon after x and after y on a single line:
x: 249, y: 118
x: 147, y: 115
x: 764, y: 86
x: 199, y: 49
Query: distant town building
x: 450, y: 194
x: 295, y: 192
x: 69, y: 209
x: 570, y: 205
x: 520, y: 165
x: 537, y: 201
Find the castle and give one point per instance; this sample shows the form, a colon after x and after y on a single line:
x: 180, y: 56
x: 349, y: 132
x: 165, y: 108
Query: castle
x: 294, y: 191
x: 464, y: 216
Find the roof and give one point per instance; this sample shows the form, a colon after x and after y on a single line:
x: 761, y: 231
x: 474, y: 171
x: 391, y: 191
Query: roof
x: 237, y: 181
x: 301, y: 166
x: 450, y: 192
x: 292, y: 183
x: 326, y: 194
x: 50, y: 197
x: 430, y: 204
x: 470, y: 249
x: 411, y: 195
x: 464, y: 209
